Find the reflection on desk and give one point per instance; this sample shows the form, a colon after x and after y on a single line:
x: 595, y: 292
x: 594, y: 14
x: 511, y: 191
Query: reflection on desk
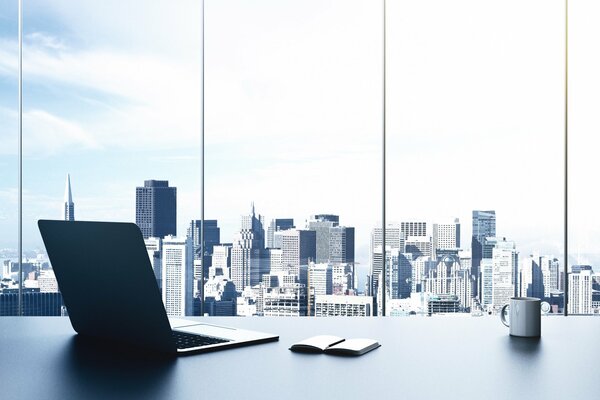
x: 432, y: 358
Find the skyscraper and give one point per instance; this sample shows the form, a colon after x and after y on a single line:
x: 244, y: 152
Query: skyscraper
x: 335, y: 243
x: 580, y: 290
x: 156, y: 209
x: 212, y: 237
x: 394, y: 239
x: 505, y: 262
x: 69, y: 206
x: 177, y: 276
x: 531, y: 281
x: 276, y: 225
x: 321, y: 224
x: 341, y: 244
x: 484, y: 225
x: 446, y: 236
x: 249, y: 261
x: 299, y: 247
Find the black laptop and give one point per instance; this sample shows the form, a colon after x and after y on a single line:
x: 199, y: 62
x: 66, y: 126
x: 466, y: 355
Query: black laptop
x: 108, y: 286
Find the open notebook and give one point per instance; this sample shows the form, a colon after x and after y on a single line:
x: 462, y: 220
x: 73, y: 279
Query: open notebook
x: 329, y: 344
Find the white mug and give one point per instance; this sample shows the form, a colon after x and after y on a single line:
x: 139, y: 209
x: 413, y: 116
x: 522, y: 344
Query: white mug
x: 524, y: 316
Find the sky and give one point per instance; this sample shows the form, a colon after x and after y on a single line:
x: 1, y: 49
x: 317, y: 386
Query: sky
x: 293, y: 113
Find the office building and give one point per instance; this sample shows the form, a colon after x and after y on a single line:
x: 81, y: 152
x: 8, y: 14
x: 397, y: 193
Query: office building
x: 177, y: 276
x: 487, y: 276
x: 69, y: 206
x: 341, y: 244
x: 446, y: 236
x: 550, y: 267
x: 47, y: 281
x: 343, y: 279
x: 220, y: 297
x: 320, y: 278
x: 221, y: 261
x: 249, y: 260
x: 414, y: 228
x: 419, y: 271
x: 276, y: 225
x: 343, y: 306
x: 212, y: 237
x: 531, y: 279
x: 443, y: 304
x: 154, y: 249
x: 322, y: 225
x: 156, y: 209
x: 289, y: 300
x: 35, y: 303
x: 298, y: 248
x: 505, y: 262
x: 484, y: 225
x: 394, y: 239
x: 450, y: 278
x: 419, y: 246
x: 580, y: 290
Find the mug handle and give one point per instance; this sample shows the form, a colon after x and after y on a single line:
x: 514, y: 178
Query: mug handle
x: 502, y: 318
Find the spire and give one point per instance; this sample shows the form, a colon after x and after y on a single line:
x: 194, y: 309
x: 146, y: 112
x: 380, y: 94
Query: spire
x: 68, y: 196
x: 253, y: 209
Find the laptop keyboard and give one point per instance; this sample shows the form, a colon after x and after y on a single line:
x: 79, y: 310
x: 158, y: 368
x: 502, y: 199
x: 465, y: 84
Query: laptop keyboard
x: 185, y: 340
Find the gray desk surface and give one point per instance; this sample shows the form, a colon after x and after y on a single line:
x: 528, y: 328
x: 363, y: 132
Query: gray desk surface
x: 433, y: 358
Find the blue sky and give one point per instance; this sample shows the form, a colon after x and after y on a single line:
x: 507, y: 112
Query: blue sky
x: 293, y: 112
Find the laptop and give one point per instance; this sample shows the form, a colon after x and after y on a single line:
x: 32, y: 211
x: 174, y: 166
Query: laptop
x: 110, y: 291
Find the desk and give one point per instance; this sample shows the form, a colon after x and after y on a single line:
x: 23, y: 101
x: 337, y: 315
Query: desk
x: 443, y: 357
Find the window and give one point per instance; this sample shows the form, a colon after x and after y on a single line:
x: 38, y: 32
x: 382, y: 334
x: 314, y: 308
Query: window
x: 292, y: 193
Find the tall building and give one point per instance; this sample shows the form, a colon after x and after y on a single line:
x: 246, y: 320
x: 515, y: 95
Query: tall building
x: 320, y: 278
x: 156, y: 209
x: 487, y: 286
x: 276, y: 225
x: 212, y: 237
x: 414, y: 228
x: 249, y: 260
x: 505, y: 263
x: 343, y: 306
x: 550, y: 267
x: 531, y: 279
x: 221, y: 261
x: 417, y: 238
x: 298, y: 247
x: 289, y: 300
x: 322, y: 225
x: 341, y: 244
x: 343, y: 279
x: 69, y: 206
x: 335, y: 243
x: 154, y: 249
x: 449, y: 277
x: 580, y: 290
x: 446, y: 236
x: 484, y: 225
x: 177, y: 276
x: 394, y: 239
x: 34, y: 302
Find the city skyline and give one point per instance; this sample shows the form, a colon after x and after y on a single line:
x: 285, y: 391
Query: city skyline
x: 80, y: 117
x: 423, y: 257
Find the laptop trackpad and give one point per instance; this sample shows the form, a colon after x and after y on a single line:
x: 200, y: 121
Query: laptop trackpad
x: 218, y: 331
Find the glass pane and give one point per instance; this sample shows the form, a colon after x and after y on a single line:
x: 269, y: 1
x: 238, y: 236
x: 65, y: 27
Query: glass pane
x: 9, y: 136
x: 584, y: 85
x: 293, y: 144
x: 475, y: 170
x: 112, y: 115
